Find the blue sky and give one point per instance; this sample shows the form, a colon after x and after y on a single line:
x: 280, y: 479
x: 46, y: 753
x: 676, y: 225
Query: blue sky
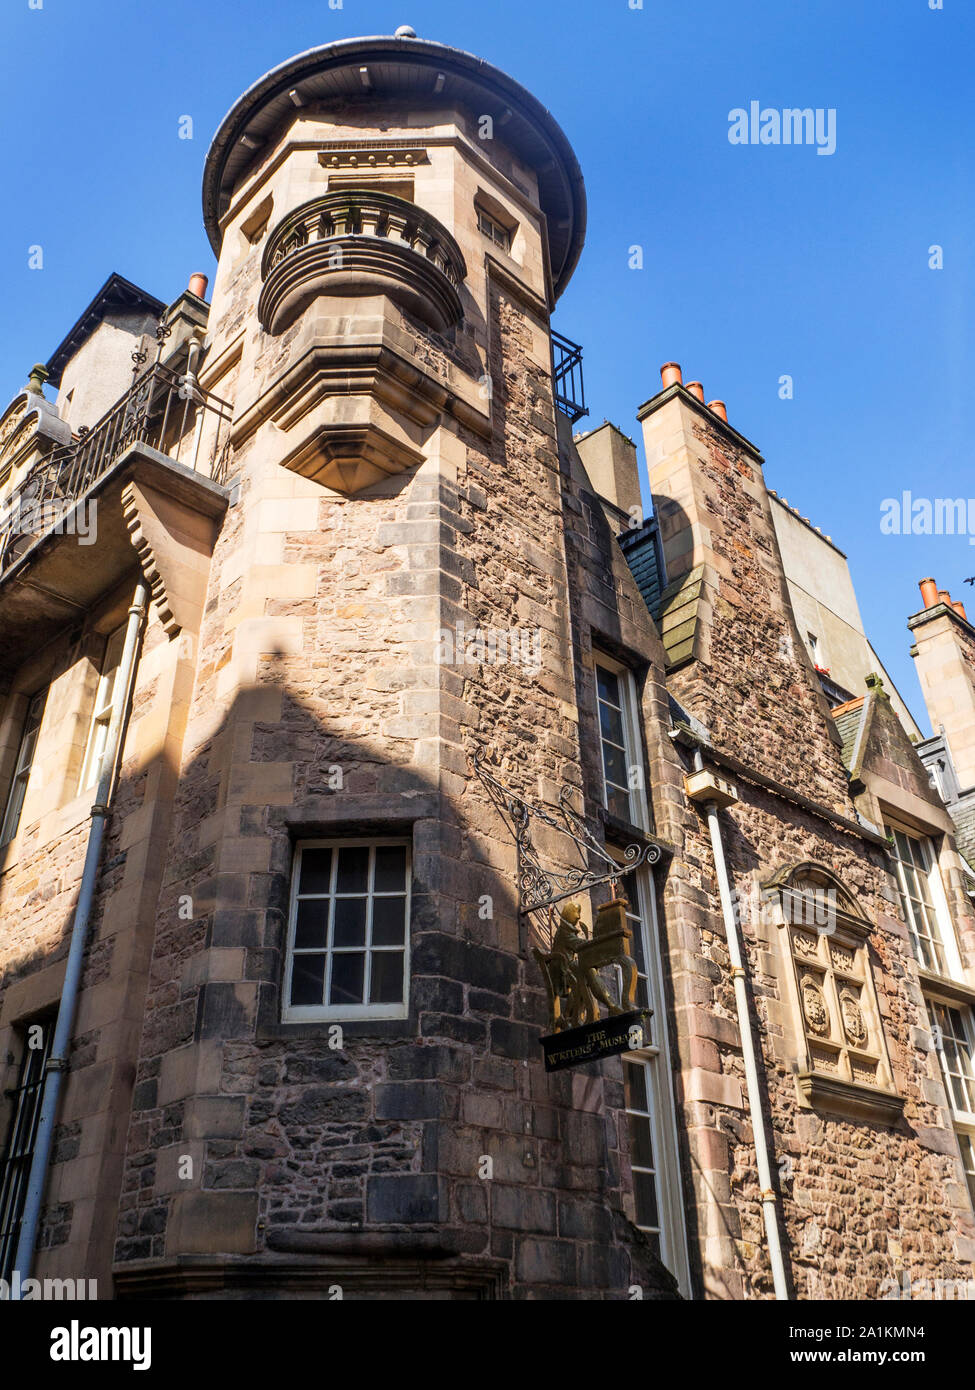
x: 759, y: 261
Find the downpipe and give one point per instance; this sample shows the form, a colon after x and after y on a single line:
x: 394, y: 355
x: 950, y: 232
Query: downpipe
x: 58, y: 1061
x: 752, y: 1086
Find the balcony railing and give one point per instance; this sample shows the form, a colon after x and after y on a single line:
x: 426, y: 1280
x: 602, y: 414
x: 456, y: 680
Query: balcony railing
x: 570, y: 395
x: 359, y: 241
x: 163, y: 409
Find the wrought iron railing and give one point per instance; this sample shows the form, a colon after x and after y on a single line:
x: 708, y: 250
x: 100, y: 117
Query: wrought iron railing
x: 570, y: 395
x: 164, y: 409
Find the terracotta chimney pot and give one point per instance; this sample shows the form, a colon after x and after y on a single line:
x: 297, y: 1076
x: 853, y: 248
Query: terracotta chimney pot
x: 696, y: 389
x: 959, y: 608
x: 929, y: 592
x: 944, y: 597
x: 198, y: 285
x: 670, y: 375
x: 719, y: 408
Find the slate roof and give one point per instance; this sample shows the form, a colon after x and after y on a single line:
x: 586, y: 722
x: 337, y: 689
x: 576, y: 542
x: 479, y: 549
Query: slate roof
x: 641, y: 550
x: 848, y: 719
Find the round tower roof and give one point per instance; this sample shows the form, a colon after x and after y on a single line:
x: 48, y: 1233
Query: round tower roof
x: 412, y: 68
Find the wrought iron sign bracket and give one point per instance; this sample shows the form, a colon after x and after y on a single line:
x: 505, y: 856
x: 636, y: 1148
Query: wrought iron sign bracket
x: 540, y: 888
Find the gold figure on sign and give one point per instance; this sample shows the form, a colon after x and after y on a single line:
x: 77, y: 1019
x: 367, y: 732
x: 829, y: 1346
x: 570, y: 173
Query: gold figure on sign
x: 570, y: 967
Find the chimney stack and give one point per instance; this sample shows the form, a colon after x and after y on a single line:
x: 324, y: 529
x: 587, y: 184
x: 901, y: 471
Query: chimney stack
x: 944, y: 656
x: 929, y: 592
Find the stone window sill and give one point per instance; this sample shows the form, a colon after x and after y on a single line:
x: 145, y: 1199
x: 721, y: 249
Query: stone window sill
x: 831, y: 1093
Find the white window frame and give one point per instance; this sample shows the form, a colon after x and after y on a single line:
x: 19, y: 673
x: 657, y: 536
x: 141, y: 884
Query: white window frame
x: 939, y: 899
x: 963, y: 1121
x: 662, y: 1106
x: 311, y: 1013
x: 101, y: 716
x: 26, y: 751
x: 632, y: 740
x: 491, y: 232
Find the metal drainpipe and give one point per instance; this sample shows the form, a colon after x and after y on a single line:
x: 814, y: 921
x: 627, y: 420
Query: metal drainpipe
x: 58, y: 1060
x: 752, y: 1087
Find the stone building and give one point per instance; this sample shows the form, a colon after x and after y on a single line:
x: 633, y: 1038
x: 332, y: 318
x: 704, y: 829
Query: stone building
x: 318, y: 567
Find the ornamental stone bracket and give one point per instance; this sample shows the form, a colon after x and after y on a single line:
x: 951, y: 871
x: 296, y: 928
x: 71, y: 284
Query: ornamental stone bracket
x: 145, y: 509
x: 355, y: 401
x: 174, y: 544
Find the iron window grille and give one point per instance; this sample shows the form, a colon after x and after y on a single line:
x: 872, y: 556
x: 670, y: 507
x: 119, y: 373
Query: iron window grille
x: 21, y: 1137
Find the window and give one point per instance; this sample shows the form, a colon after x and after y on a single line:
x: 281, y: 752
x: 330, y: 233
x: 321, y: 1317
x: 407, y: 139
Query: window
x: 623, y: 790
x: 348, y: 931
x: 22, y: 767
x: 919, y: 883
x: 500, y: 235
x: 657, y: 1202
x: 966, y: 1141
x: 107, y: 694
x: 19, y: 1149
x: 954, y: 1038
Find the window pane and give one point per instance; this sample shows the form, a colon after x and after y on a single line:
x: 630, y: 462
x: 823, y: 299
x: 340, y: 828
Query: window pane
x: 645, y: 1198
x: 614, y: 765
x: 308, y: 980
x: 316, y: 870
x: 635, y: 1076
x: 607, y: 685
x: 641, y: 1145
x: 350, y: 922
x: 388, y: 921
x: 390, y: 868
x: 348, y: 974
x: 611, y: 723
x: 353, y: 872
x: 311, y: 925
x: 618, y: 803
x: 386, y: 985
